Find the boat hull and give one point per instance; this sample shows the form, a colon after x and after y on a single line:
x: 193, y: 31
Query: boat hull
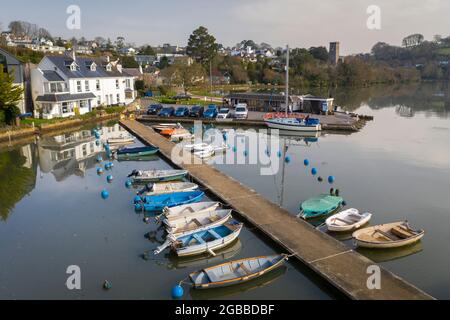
x: 292, y: 127
x: 333, y: 227
x: 238, y: 280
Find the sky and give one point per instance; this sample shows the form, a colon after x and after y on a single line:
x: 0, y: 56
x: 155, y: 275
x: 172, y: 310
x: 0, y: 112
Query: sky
x: 299, y: 23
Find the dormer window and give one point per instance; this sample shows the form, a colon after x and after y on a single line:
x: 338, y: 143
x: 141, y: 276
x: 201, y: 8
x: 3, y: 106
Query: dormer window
x: 73, y: 67
x: 91, y: 65
x: 108, y: 67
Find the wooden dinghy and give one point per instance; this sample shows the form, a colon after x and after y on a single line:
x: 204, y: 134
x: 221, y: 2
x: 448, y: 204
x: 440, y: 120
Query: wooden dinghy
x: 390, y: 235
x: 186, y: 225
x: 347, y: 220
x: 167, y: 187
x: 189, y: 209
x: 205, y: 241
x: 236, y: 272
x: 157, y: 175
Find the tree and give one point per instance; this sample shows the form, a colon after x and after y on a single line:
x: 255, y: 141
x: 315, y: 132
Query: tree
x: 163, y: 63
x: 202, y: 46
x: 184, y: 75
x: 148, y: 51
x: 412, y: 40
x: 129, y: 62
x: 319, y: 53
x: 10, y: 96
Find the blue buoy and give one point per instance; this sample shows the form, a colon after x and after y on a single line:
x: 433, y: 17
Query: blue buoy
x: 128, y: 184
x: 137, y: 199
x: 109, y: 178
x: 97, y: 143
x: 225, y: 137
x: 107, y: 285
x: 344, y: 203
x: 331, y: 179
x: 97, y: 135
x: 245, y: 153
x: 105, y: 194
x: 111, y: 165
x: 314, y: 171
x: 138, y: 207
x: 177, y: 292
x: 268, y: 152
x: 99, y: 171
x: 234, y: 149
x: 288, y: 159
x: 306, y: 162
x: 99, y: 159
x: 279, y: 154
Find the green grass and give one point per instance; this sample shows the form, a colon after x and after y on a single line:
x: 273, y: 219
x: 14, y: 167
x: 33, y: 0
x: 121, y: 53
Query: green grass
x: 444, y: 51
x: 191, y: 102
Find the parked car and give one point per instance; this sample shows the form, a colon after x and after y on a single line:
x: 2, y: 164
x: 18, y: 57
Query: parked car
x: 182, y: 112
x: 196, y: 112
x: 211, y: 112
x: 154, y: 109
x: 182, y: 97
x: 167, y: 112
x: 224, y: 113
x: 241, y: 111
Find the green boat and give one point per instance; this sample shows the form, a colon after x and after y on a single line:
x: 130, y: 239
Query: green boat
x: 320, y: 206
x: 137, y: 152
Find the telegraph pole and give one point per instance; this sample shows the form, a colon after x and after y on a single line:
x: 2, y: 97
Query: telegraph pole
x: 287, y: 79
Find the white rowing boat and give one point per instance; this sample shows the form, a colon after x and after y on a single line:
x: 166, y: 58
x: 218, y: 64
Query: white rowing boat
x: 390, y: 235
x: 167, y: 187
x: 157, y: 175
x: 122, y: 140
x: 186, y: 225
x: 189, y: 209
x: 347, y: 220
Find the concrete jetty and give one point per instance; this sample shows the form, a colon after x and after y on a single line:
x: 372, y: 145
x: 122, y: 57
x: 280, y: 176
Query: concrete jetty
x: 340, y: 266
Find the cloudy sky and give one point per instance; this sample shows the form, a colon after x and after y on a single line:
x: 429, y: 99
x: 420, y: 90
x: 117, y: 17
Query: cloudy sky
x: 300, y: 23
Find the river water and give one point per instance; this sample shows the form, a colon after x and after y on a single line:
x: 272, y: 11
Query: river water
x: 52, y: 215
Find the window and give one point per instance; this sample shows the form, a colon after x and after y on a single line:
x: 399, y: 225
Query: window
x: 129, y: 95
x: 99, y: 101
x: 92, y: 147
x: 65, y: 107
x: 79, y: 89
x: 86, y: 85
x: 97, y: 85
x: 128, y: 83
x: 108, y: 68
x: 118, y: 98
x: 117, y: 84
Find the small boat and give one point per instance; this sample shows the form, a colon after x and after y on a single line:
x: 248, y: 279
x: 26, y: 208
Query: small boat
x: 157, y: 175
x: 167, y: 187
x: 196, y: 146
x: 390, y: 235
x: 190, y: 224
x: 137, y: 152
x: 121, y: 140
x: 164, y: 126
x: 347, y: 220
x: 204, y: 154
x: 189, y: 209
x: 236, y: 272
x: 294, y: 124
x: 319, y: 206
x: 159, y: 202
x: 203, y: 241
x: 186, y: 135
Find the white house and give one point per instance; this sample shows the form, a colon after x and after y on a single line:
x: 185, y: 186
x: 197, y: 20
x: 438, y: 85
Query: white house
x: 64, y: 86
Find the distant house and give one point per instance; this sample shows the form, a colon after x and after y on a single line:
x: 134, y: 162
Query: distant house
x: 127, y: 51
x: 145, y: 60
x: 11, y: 64
x: 63, y: 86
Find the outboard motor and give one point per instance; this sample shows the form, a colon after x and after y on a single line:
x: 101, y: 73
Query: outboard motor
x: 135, y: 173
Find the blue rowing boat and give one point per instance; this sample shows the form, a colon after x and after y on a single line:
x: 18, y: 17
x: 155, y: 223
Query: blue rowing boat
x: 137, y: 152
x: 159, y: 202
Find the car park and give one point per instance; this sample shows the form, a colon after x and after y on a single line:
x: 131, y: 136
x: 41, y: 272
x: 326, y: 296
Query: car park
x: 154, y: 109
x: 241, y: 111
x: 196, y: 112
x: 211, y: 112
x: 224, y: 113
x: 182, y: 112
x: 167, y: 112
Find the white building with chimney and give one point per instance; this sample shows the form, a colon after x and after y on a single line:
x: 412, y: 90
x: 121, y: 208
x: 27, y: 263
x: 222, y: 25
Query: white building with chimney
x: 64, y: 86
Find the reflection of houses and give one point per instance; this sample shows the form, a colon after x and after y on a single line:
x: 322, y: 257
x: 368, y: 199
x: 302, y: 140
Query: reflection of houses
x: 404, y: 111
x: 73, y: 153
x: 65, y: 86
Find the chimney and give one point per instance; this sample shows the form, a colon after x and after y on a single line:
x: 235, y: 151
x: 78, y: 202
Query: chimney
x: 140, y: 68
x: 71, y: 54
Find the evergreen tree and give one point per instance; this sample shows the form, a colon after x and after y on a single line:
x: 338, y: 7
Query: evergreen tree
x: 10, y: 95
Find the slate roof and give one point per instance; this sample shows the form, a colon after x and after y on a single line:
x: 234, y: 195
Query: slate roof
x: 52, y: 76
x: 65, y: 97
x: 83, y: 71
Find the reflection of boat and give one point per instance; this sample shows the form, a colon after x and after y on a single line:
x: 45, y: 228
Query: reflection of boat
x: 205, y: 259
x: 159, y: 202
x: 138, y: 158
x: 204, y: 241
x: 390, y: 235
x: 168, y: 187
x: 347, y: 220
x: 320, y: 206
x: 121, y: 140
x: 236, y: 272
x: 390, y: 255
x: 137, y: 152
x: 311, y: 136
x: 157, y: 175
x: 202, y: 221
x: 220, y: 293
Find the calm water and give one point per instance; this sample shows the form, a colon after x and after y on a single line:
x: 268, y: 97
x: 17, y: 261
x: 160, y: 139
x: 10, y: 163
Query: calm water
x: 52, y: 216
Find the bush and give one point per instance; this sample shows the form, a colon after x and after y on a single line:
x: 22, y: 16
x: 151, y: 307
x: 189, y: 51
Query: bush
x: 2, y: 118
